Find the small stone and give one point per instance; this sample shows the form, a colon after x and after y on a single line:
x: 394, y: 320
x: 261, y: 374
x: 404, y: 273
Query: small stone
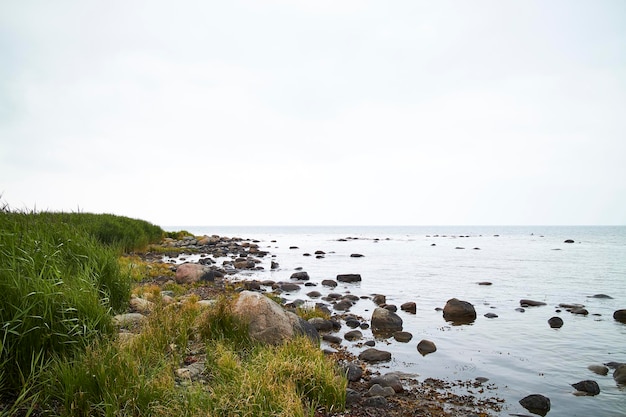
x: 491, y: 315
x: 555, y: 322
x: 589, y: 387
x: 426, y: 347
x: 536, y: 403
x: 403, y: 337
x: 353, y: 335
x: 409, y: 307
x: 599, y: 369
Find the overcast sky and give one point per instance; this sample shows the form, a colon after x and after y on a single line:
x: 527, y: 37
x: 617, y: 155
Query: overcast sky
x: 320, y: 112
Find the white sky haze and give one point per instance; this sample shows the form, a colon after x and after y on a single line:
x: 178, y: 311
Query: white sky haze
x: 322, y: 112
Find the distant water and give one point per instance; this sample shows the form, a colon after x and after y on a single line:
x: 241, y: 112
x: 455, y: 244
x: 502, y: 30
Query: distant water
x: 518, y: 352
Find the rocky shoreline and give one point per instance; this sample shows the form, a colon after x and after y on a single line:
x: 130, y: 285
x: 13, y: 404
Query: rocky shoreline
x: 369, y: 392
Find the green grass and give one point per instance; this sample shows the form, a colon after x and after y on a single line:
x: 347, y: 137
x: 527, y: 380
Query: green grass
x: 61, y: 280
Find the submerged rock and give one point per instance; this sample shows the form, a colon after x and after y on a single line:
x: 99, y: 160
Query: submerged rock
x: 531, y: 303
x: 598, y: 369
x: 620, y: 374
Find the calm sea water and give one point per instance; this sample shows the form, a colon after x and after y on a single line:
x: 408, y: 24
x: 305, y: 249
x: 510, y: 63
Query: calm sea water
x: 518, y: 352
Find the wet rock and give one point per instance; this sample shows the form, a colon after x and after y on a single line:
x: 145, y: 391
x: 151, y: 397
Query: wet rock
x: 329, y: 283
x: 353, y: 335
x: 579, y: 311
x: 426, y: 347
x: 620, y: 315
x: 370, y: 343
x: 571, y: 306
x: 376, y: 390
x: 335, y: 340
x: 599, y: 369
x: 484, y: 283
x: 385, y: 321
x: 531, y: 303
x: 555, y: 322
x: 379, y: 299
x: 588, y: 386
x: 536, y: 403
x: 403, y: 337
x: 390, y: 307
x: 390, y: 380
x: 373, y: 355
x: 458, y: 311
x: 274, y: 265
x: 301, y: 275
x: 343, y: 305
x: 352, y: 323
x: 520, y: 309
x: 491, y: 315
x: 601, y: 296
x: 314, y: 294
x: 620, y: 374
x: 356, y: 255
x: 409, y: 307
x: 568, y: 241
x: 289, y: 287
x: 349, y: 278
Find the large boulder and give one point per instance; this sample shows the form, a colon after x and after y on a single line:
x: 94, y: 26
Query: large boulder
x: 268, y: 321
x: 458, y: 311
x: 189, y: 273
x: 385, y: 321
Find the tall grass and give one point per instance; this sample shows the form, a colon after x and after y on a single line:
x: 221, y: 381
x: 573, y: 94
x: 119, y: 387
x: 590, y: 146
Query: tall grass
x: 58, y: 285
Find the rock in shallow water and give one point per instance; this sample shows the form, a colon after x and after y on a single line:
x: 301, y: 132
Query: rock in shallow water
x: 385, y: 320
x: 620, y: 315
x: 588, y: 386
x: 536, y: 403
x: 555, y: 322
x: 459, y: 311
x: 598, y: 369
x: 425, y: 347
x: 374, y: 355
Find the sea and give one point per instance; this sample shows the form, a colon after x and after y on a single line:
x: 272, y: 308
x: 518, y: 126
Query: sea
x: 517, y: 351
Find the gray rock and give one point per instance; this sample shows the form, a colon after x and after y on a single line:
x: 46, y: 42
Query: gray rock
x: 128, y: 319
x: 403, y: 337
x: 352, y: 396
x: 425, y: 347
x: 620, y: 315
x: 321, y: 325
x: 409, y: 307
x: 373, y: 355
x: 458, y: 311
x: 376, y: 402
x: 555, y: 322
x: 343, y: 305
x: 604, y: 296
x: 353, y: 335
x: 385, y: 321
x: 376, y: 390
x: 314, y: 294
x: 491, y: 315
x: 390, y: 380
x: 598, y: 369
x: 379, y: 299
x: 335, y: 340
x: 352, y: 371
x: 619, y: 375
x: 349, y: 278
x: 531, y: 303
x: 329, y: 283
x: 268, y: 321
x: 588, y: 386
x: 289, y: 287
x: 302, y: 276
x: 536, y: 403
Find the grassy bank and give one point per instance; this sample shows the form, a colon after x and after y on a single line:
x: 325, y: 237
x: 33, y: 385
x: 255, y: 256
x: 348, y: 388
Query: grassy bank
x: 61, y: 280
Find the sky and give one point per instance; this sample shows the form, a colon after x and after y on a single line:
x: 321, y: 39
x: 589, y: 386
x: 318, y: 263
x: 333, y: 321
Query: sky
x: 325, y: 112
